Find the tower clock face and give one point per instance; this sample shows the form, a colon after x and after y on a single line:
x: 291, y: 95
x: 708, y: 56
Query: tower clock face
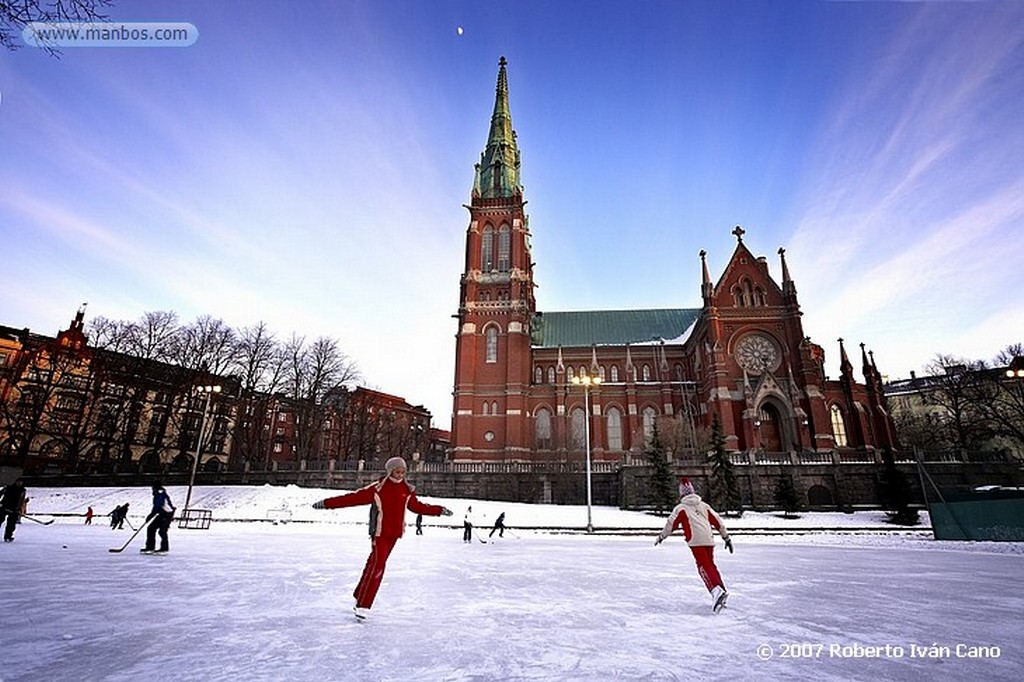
x: 756, y: 353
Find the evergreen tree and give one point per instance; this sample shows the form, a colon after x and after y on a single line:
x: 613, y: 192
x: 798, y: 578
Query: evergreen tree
x: 662, y: 493
x: 787, y: 497
x: 894, y: 493
x: 724, y: 488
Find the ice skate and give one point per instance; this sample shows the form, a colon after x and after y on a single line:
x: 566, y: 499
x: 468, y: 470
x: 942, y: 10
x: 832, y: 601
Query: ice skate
x: 720, y: 597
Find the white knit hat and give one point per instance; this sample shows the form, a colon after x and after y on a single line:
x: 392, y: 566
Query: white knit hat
x: 685, y: 487
x: 394, y: 463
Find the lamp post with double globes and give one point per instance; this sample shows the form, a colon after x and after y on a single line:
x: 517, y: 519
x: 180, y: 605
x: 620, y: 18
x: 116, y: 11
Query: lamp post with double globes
x: 586, y: 381
x: 208, y: 390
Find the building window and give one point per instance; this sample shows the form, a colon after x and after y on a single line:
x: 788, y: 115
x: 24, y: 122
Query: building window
x: 503, y: 249
x: 614, y: 429
x: 646, y: 373
x: 487, y: 250
x: 838, y: 427
x: 600, y: 373
x: 494, y: 407
x: 578, y: 421
x: 551, y: 375
x: 543, y: 429
x: 487, y: 408
x: 569, y: 374
x: 278, y: 447
x: 538, y: 375
x: 491, y: 344
x: 649, y: 418
x: 615, y: 373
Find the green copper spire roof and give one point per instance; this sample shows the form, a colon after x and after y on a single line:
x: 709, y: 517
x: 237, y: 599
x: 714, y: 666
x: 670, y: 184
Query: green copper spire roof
x: 497, y: 174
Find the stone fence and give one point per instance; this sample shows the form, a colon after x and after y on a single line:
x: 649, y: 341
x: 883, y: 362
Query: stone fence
x: 824, y: 480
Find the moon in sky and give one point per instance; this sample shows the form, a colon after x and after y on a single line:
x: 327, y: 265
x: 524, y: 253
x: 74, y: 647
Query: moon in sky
x: 459, y: 30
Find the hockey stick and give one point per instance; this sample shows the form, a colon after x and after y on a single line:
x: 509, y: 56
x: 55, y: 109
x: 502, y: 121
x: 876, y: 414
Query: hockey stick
x: 117, y: 550
x: 31, y: 518
x: 478, y: 536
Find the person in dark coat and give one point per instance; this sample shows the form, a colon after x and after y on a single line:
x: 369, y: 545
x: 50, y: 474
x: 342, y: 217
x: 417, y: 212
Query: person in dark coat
x: 159, y: 520
x: 499, y: 526
x: 11, y: 504
x: 390, y: 497
x: 122, y: 516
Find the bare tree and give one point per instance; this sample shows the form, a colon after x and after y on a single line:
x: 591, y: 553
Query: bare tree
x: 955, y: 383
x: 15, y: 15
x: 258, y: 362
x: 314, y: 371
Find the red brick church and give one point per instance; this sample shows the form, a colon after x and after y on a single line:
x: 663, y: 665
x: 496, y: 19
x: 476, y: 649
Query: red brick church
x: 741, y: 356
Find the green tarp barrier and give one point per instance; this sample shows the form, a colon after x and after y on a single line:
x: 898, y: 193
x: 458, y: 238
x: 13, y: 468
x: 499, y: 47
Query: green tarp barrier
x: 982, y: 515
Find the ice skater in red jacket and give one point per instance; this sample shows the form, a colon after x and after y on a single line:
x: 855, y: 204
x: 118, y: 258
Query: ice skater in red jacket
x: 696, y: 518
x: 390, y: 496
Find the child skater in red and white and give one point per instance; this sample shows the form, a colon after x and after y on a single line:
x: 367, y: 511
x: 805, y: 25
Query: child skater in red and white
x: 697, y: 518
x: 390, y: 496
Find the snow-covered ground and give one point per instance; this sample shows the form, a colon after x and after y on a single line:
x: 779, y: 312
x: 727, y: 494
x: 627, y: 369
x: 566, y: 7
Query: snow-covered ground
x: 264, y: 601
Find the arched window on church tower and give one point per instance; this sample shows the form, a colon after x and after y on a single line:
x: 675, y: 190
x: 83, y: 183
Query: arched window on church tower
x: 615, y: 373
x: 614, y: 429
x: 543, y: 429
x: 600, y: 373
x: 487, y: 250
x: 838, y: 426
x: 538, y: 375
x: 491, y: 344
x: 551, y: 374
x: 569, y: 374
x: 487, y: 408
x: 760, y: 299
x: 494, y: 407
x: 646, y: 373
x: 504, y: 249
x: 649, y: 417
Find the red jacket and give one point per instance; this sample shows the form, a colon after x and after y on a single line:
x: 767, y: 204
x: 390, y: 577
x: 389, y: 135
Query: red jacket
x: 391, y: 498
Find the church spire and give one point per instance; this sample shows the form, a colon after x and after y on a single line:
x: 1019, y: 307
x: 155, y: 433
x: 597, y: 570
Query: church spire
x: 497, y: 174
x: 706, y: 290
x: 845, y: 366
x: 788, y: 287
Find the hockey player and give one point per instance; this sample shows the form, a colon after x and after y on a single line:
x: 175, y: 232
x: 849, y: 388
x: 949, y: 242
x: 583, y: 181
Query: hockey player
x: 12, y: 505
x: 697, y: 519
x: 159, y: 520
x: 390, y: 496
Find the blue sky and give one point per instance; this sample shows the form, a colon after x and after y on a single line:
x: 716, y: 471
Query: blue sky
x: 308, y: 168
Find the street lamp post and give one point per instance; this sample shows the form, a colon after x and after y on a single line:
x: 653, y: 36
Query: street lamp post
x: 587, y: 381
x: 209, y: 390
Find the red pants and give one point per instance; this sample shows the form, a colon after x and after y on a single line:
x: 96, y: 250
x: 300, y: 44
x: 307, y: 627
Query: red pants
x: 705, y: 558
x: 373, y: 572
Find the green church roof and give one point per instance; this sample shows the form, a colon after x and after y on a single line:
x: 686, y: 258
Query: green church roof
x: 611, y: 327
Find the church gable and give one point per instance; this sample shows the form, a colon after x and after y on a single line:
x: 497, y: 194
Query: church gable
x: 746, y: 282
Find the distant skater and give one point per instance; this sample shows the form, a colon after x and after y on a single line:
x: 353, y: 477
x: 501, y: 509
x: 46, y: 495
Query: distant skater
x: 88, y: 516
x: 499, y: 525
x: 697, y: 519
x: 390, y: 497
x: 467, y: 526
x: 159, y: 520
x: 419, y: 524
x: 12, y: 502
x: 117, y: 516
